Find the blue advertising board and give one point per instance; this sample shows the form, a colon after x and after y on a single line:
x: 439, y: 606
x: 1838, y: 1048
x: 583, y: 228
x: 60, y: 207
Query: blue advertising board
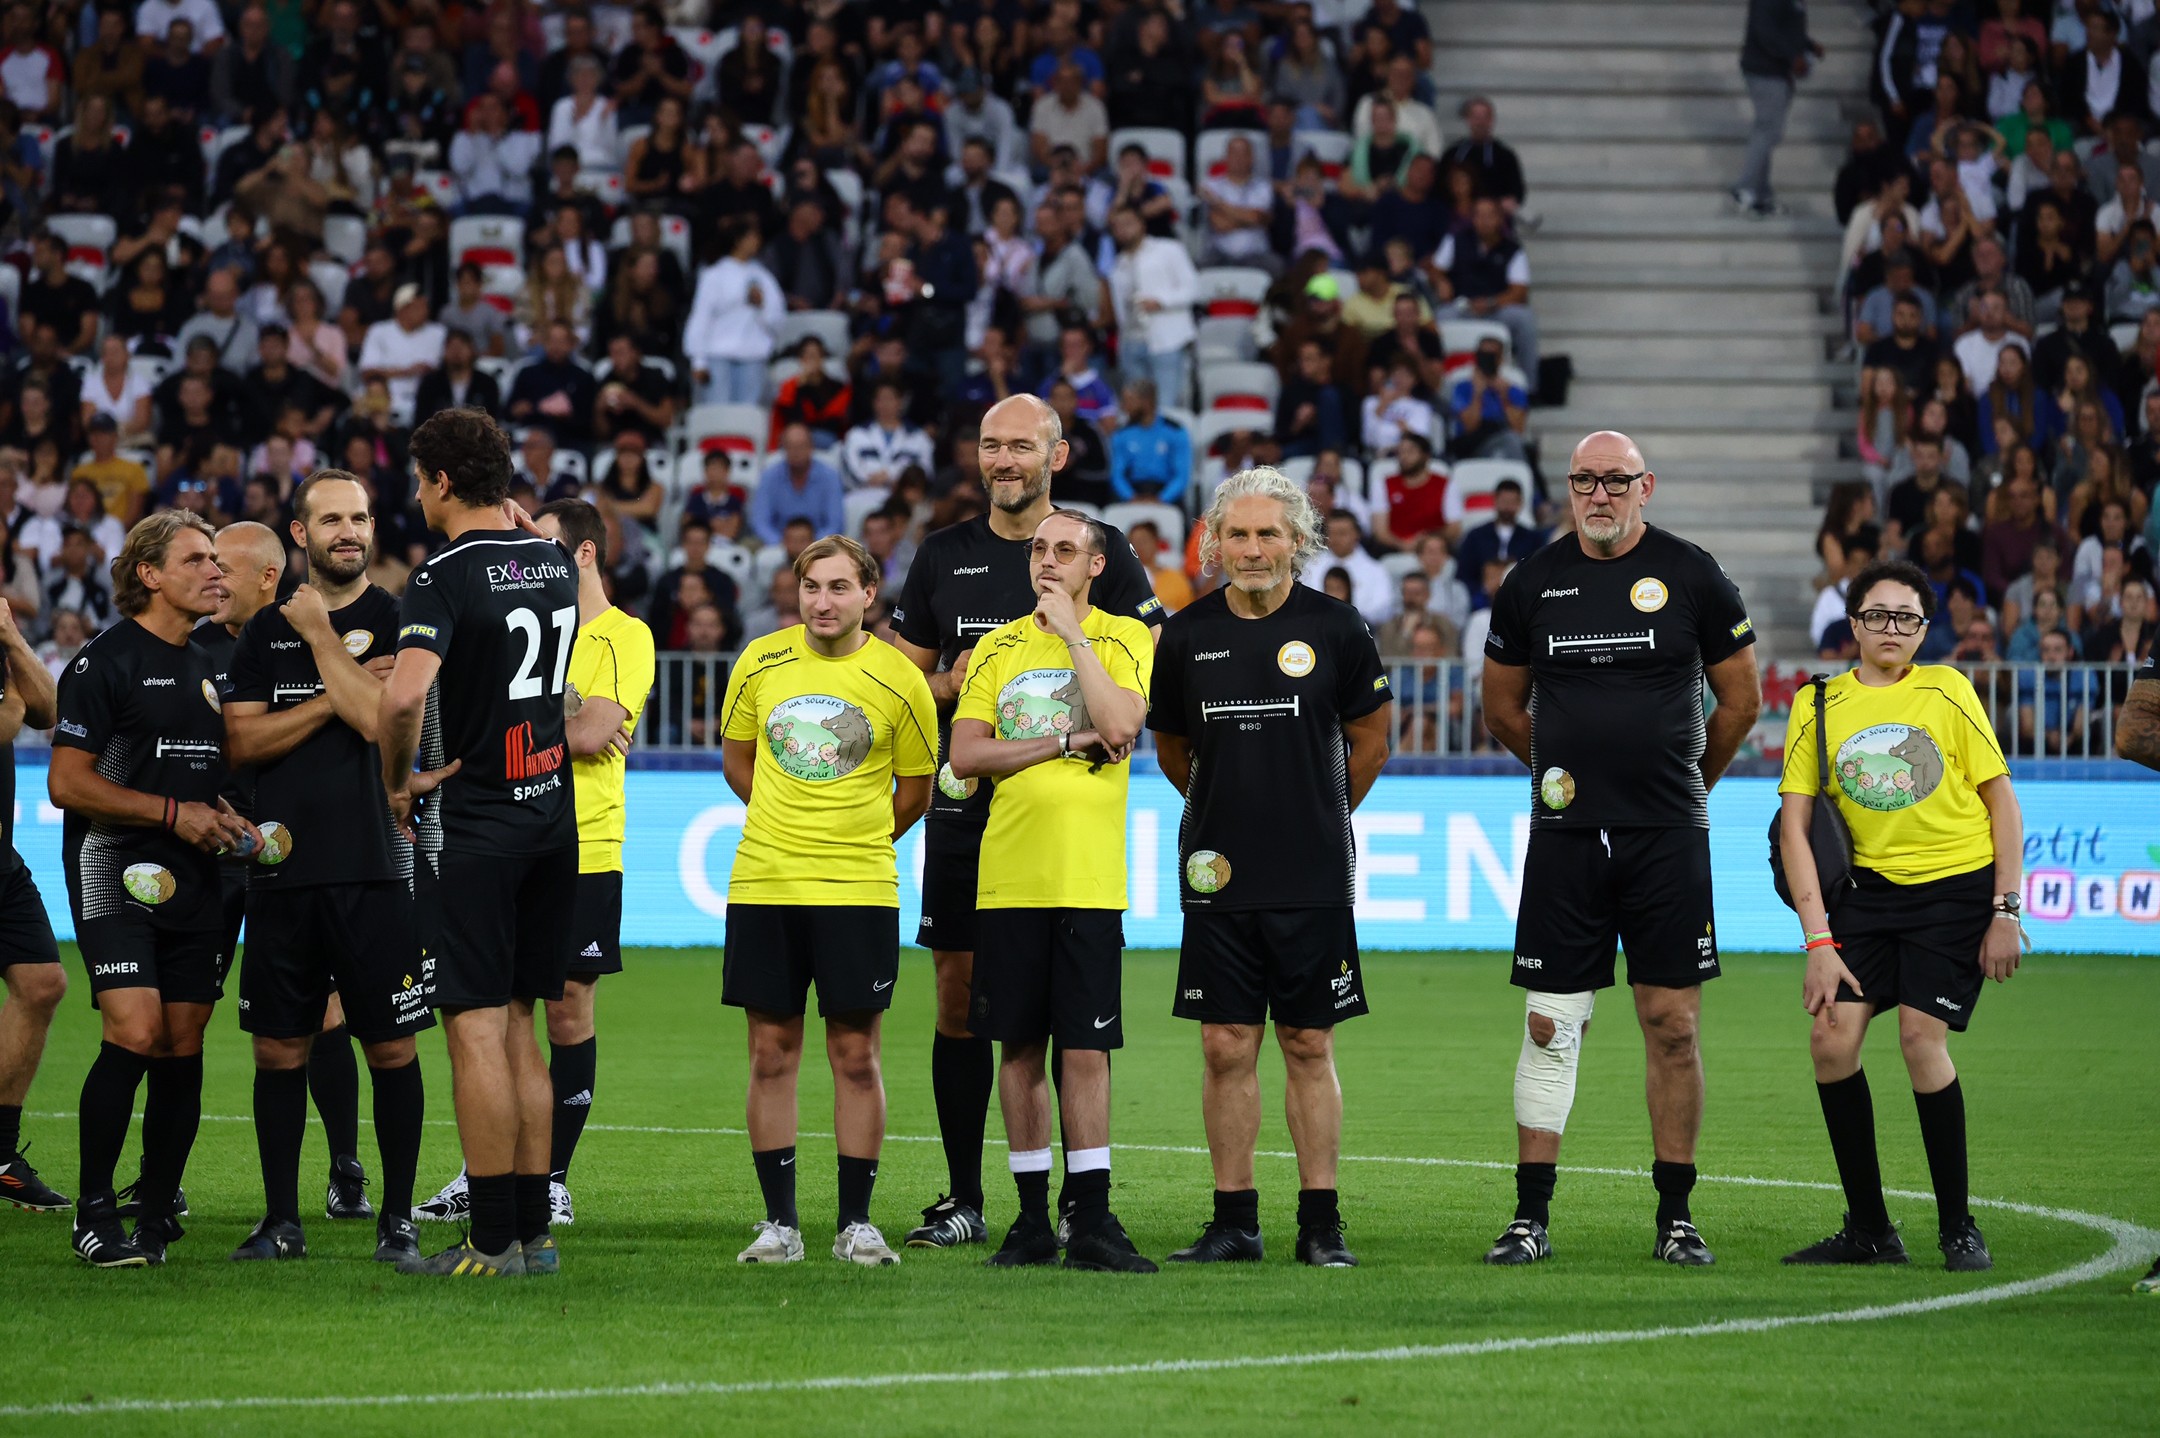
x: 1439, y: 862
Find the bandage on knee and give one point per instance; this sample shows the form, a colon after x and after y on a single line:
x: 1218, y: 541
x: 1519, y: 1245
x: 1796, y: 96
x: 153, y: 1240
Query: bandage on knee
x: 1545, y: 1074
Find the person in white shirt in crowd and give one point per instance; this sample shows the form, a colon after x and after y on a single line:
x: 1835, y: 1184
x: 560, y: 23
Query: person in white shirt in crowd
x: 584, y: 119
x: 494, y: 163
x: 1450, y: 596
x: 220, y: 318
x: 1238, y: 205
x: 1942, y: 181
x: 1396, y: 409
x: 1413, y: 117
x: 735, y: 318
x: 154, y: 17
x: 874, y: 454
x: 1154, y: 286
x: 1977, y: 348
x: 1830, y: 599
x: 974, y: 113
x: 1069, y: 115
x: 114, y: 388
x: 2130, y: 204
x: 1328, y: 492
x: 402, y: 349
x: 1371, y: 591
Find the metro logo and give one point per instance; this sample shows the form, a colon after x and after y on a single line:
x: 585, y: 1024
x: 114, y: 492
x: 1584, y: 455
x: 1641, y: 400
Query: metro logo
x: 522, y: 761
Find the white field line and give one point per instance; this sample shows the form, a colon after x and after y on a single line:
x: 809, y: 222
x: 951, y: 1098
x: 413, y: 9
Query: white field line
x: 2129, y: 1249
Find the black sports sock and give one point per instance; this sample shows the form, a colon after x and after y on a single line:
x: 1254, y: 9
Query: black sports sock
x: 776, y: 1179
x: 494, y: 1210
x: 400, y: 1112
x: 172, y: 1112
x: 963, y: 1074
x: 10, y: 1127
x: 1319, y: 1208
x: 1090, y: 1192
x: 334, y: 1080
x: 1534, y: 1183
x: 572, y: 1067
x: 1848, y: 1111
x: 1034, y: 1194
x: 530, y: 1195
x: 857, y: 1177
x: 1238, y: 1208
x: 107, y: 1107
x: 281, y: 1097
x: 1673, y: 1182
x: 1942, y: 1132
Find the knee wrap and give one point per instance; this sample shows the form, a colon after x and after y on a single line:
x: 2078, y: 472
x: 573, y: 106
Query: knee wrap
x: 1545, y: 1074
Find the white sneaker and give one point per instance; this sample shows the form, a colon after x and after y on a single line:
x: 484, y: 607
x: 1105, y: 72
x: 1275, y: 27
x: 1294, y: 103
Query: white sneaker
x: 862, y: 1243
x: 560, y: 1214
x: 775, y: 1243
x: 452, y: 1205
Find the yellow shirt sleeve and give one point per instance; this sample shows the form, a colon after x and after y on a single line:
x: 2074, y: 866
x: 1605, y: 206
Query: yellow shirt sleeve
x: 915, y: 729
x: 1802, y: 774
x: 627, y: 677
x: 1979, y: 753
x: 1128, y: 656
x: 978, y: 695
x: 740, y: 705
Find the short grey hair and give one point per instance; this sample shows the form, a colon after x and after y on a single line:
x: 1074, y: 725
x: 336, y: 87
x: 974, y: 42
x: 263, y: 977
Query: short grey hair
x: 1262, y: 482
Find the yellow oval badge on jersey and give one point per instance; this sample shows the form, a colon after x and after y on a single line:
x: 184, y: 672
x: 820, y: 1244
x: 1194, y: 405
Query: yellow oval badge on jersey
x: 1295, y: 659
x: 1649, y: 595
x: 358, y: 641
x: 209, y: 692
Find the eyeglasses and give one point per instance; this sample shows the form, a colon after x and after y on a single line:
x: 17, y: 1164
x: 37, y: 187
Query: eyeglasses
x: 1020, y: 449
x: 1615, y: 484
x: 1882, y: 621
x: 1065, y: 550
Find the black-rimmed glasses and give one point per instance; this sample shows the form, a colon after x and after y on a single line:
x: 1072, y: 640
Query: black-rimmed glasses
x: 1615, y: 484
x: 1882, y: 621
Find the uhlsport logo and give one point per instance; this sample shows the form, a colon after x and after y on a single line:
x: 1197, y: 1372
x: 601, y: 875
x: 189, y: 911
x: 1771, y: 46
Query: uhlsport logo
x: 1889, y: 766
x: 817, y: 737
x: 1041, y: 704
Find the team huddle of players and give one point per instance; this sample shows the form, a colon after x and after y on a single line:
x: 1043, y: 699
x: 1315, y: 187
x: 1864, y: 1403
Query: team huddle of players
x: 419, y: 810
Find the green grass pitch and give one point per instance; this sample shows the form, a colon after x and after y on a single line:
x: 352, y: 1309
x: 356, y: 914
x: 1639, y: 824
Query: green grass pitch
x: 652, y: 1311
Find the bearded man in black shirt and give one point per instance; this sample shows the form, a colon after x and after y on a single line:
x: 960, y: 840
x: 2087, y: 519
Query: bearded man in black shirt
x: 1594, y: 670
x: 1271, y: 716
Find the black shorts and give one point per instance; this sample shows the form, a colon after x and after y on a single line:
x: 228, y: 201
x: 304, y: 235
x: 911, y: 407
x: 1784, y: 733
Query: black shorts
x: 598, y: 925
x: 126, y: 951
x: 26, y: 935
x: 232, y: 901
x: 496, y: 927
x: 1049, y: 973
x: 355, y: 939
x: 1916, y: 945
x: 775, y: 952
x: 952, y: 852
x: 1239, y: 966
x: 1583, y: 889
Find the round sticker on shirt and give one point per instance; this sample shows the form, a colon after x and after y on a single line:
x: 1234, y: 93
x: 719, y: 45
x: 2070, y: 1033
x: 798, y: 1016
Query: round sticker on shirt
x: 1557, y: 788
x: 358, y: 641
x: 952, y: 786
x: 1648, y: 595
x: 1889, y: 766
x: 1295, y: 659
x: 277, y: 843
x: 150, y: 883
x: 818, y: 737
x: 1207, y: 871
x: 209, y: 692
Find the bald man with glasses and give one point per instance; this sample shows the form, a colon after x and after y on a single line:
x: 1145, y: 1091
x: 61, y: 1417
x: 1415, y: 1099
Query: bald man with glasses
x: 1600, y: 647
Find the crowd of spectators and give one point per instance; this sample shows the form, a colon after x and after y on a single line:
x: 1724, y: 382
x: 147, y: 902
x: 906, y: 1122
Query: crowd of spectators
x: 242, y: 240
x: 2000, y: 245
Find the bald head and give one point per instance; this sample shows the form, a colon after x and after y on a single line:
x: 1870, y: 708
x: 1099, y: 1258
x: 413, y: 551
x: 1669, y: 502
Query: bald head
x: 1608, y: 485
x: 1019, y: 409
x: 253, y: 558
x: 1609, y: 447
x: 1020, y: 445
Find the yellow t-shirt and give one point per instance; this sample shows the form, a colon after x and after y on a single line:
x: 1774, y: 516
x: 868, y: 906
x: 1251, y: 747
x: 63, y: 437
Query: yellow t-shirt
x: 831, y: 734
x: 1909, y: 760
x: 1055, y: 838
x: 120, y: 481
x: 613, y: 659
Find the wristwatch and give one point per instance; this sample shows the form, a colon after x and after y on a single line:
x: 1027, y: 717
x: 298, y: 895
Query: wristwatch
x: 2008, y: 905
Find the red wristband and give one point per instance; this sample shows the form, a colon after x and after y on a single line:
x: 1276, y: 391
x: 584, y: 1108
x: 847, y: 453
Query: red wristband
x: 1823, y: 943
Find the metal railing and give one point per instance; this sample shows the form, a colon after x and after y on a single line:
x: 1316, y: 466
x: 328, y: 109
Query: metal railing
x: 2037, y: 711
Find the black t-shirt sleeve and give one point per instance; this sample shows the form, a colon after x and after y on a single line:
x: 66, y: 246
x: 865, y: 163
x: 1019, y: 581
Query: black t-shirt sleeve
x: 88, y: 704
x: 1124, y: 588
x: 1721, y: 614
x: 426, y: 614
x: 1361, y: 684
x: 1166, y: 690
x: 1508, y: 640
x: 913, y: 618
x: 248, y: 672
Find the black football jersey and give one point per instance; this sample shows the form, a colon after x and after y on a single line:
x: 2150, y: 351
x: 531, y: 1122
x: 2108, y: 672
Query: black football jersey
x: 10, y: 861
x: 1616, y: 650
x: 218, y: 642
x: 500, y: 607
x: 151, y: 714
x: 325, y: 798
x: 1261, y: 704
x: 966, y: 582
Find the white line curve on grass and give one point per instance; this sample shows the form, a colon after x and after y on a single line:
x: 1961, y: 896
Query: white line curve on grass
x: 2129, y: 1249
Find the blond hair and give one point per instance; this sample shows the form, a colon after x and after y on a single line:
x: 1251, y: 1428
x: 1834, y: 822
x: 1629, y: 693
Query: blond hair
x: 839, y: 546
x: 148, y: 543
x: 1262, y: 482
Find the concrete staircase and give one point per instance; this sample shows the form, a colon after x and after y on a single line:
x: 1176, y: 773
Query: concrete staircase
x: 1706, y: 336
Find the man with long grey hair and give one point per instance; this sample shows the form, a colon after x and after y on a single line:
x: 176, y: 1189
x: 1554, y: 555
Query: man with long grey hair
x: 1271, y: 716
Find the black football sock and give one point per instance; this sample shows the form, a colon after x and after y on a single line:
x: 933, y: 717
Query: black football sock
x: 1848, y: 1111
x: 1034, y: 1194
x: 281, y: 1097
x: 10, y: 1127
x: 572, y: 1067
x: 1534, y: 1183
x: 530, y: 1195
x: 494, y: 1210
x: 172, y: 1112
x: 400, y: 1112
x: 107, y: 1107
x: 1674, y: 1182
x: 334, y: 1080
x: 1318, y: 1208
x: 963, y: 1075
x: 1942, y: 1132
x: 776, y: 1179
x: 1090, y: 1191
x: 857, y: 1177
x: 1238, y: 1209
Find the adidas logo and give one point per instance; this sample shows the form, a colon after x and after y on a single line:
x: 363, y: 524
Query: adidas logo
x: 591, y: 951
x: 581, y: 1099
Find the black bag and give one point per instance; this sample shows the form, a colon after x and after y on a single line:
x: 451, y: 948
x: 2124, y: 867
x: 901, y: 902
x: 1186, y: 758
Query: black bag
x: 1828, y: 835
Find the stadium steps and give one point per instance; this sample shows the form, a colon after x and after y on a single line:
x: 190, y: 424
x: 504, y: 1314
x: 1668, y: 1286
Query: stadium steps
x: 1706, y: 336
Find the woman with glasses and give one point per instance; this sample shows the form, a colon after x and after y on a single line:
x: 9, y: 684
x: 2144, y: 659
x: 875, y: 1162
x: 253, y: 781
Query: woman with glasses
x: 1931, y: 909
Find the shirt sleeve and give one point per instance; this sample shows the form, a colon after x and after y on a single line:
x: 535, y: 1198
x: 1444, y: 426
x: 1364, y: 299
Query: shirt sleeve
x: 1129, y: 659
x: 425, y: 612
x: 1124, y: 587
x: 1507, y: 641
x: 247, y: 677
x: 627, y: 677
x: 915, y: 730
x: 913, y: 618
x: 1978, y: 751
x: 1721, y: 615
x: 740, y: 704
x: 1361, y: 684
x: 1166, y: 684
x: 1801, y: 774
x: 88, y: 704
x: 978, y: 696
